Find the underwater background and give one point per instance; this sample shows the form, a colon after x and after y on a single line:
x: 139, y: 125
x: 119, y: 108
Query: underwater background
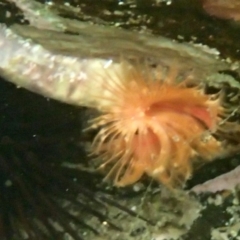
x: 50, y: 133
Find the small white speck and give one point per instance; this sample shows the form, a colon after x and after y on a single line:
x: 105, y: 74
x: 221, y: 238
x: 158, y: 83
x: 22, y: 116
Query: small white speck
x: 108, y: 63
x: 134, y: 208
x: 176, y: 138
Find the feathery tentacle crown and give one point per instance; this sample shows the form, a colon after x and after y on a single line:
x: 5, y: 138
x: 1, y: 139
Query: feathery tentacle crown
x: 152, y: 124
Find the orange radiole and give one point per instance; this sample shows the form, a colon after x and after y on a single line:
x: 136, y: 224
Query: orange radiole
x: 153, y: 124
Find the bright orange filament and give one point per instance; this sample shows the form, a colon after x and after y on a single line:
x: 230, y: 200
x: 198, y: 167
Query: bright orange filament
x: 156, y: 127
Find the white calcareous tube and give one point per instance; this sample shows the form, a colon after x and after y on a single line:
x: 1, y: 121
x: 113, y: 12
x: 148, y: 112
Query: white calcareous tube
x: 74, y: 68
x: 64, y: 78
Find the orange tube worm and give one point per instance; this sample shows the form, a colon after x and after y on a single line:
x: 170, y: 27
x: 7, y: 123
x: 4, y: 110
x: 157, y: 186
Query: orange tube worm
x: 152, y: 124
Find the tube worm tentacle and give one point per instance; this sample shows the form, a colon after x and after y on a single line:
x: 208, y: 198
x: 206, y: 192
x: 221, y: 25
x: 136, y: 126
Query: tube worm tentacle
x: 154, y: 126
